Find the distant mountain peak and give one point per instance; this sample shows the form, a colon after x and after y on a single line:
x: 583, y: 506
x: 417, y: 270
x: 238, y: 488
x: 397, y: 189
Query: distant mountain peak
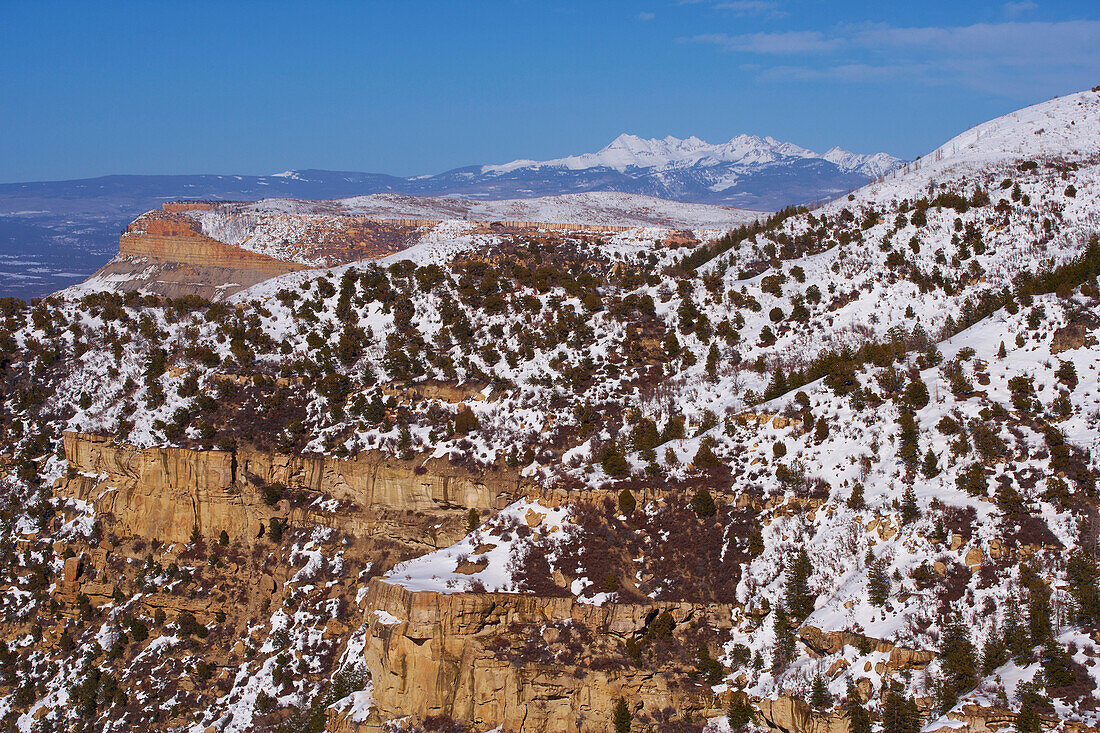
x: 629, y: 151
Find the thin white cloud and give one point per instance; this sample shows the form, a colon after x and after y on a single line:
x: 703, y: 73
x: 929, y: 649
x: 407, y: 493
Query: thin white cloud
x: 646, y: 16
x: 752, y: 7
x: 1011, y: 58
x: 772, y: 43
x: 1016, y: 9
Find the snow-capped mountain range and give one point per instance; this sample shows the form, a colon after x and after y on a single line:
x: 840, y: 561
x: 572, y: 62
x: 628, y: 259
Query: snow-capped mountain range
x: 672, y: 153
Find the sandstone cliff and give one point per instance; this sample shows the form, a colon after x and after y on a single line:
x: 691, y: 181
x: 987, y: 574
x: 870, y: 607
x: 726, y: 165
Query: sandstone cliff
x: 168, y: 493
x: 450, y: 654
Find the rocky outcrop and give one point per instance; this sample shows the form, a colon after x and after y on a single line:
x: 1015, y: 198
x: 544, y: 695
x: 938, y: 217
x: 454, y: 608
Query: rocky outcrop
x: 432, y: 653
x: 166, y: 493
x: 980, y: 719
x: 824, y: 643
x: 791, y: 715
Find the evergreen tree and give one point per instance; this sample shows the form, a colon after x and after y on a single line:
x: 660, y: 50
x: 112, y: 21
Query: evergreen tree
x: 644, y: 435
x: 1057, y: 665
x: 627, y: 502
x: 859, y: 721
x: 855, y: 499
x: 1039, y: 624
x: 465, y: 421
x: 777, y: 386
x: 819, y: 693
x: 994, y: 652
x: 613, y: 461
x: 785, y: 644
x: 913, y: 722
x: 740, y: 712
x: 798, y: 598
x: 1002, y: 352
x: 620, y: 717
x: 672, y: 344
x: 958, y: 660
x: 909, y: 510
x: 907, y: 440
x: 878, y: 583
x: 1084, y: 585
x: 712, y: 363
x: 404, y: 441
x: 900, y: 714
x: 1015, y: 633
x: 703, y: 503
x: 704, y: 457
x: 930, y: 468
x: 916, y: 394
x: 1032, y: 703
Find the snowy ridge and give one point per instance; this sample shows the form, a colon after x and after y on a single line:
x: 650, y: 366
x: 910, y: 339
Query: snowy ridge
x: 601, y: 207
x: 1065, y: 127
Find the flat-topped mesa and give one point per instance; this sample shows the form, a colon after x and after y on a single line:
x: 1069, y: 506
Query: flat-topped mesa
x: 168, y: 493
x: 173, y: 239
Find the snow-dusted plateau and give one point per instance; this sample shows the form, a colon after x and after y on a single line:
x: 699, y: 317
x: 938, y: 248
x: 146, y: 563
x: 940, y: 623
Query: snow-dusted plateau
x: 582, y: 462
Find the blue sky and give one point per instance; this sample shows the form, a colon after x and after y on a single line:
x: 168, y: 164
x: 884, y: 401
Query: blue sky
x: 420, y: 87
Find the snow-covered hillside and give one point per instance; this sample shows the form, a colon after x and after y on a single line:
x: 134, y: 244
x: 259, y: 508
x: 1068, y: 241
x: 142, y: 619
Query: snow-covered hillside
x: 866, y: 435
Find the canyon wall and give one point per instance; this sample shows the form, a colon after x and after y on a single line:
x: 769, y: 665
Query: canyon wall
x: 166, y: 493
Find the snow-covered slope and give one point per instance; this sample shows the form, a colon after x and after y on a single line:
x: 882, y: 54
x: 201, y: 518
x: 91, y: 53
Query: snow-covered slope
x: 1064, y: 127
